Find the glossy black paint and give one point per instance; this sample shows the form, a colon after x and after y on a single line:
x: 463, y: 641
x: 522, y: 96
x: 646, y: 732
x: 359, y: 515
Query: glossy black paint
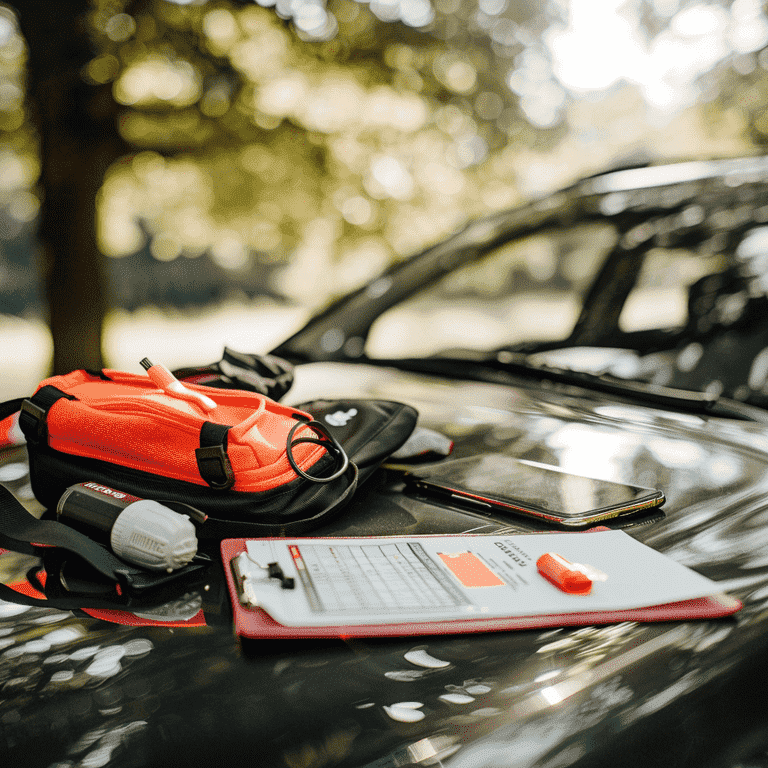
x: 79, y: 691
x: 89, y: 692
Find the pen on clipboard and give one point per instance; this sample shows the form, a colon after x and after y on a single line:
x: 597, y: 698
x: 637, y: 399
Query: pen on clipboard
x: 573, y: 578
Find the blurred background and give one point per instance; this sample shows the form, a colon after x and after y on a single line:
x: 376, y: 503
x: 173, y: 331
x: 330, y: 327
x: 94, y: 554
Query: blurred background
x: 176, y: 176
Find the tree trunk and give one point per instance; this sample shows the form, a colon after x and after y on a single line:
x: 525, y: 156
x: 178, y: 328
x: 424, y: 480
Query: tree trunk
x: 78, y: 138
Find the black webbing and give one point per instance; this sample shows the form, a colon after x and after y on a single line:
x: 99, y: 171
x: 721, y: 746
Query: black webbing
x: 19, y: 530
x: 212, y: 460
x: 34, y: 412
x: 9, y: 407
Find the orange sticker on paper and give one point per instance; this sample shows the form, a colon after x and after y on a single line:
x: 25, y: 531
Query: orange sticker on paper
x: 470, y: 570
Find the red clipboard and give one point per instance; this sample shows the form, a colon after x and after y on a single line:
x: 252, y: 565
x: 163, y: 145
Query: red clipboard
x: 255, y: 623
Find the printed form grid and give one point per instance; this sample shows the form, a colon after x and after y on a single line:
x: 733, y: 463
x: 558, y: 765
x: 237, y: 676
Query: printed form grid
x: 386, y: 578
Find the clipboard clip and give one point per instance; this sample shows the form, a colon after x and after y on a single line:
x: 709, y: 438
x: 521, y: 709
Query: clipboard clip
x: 274, y: 571
x: 249, y: 573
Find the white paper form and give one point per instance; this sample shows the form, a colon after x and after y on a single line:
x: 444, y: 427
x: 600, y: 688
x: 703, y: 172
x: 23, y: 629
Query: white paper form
x: 350, y: 581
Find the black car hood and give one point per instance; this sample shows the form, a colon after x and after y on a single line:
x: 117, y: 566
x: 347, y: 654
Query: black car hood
x: 75, y: 690
x: 701, y: 464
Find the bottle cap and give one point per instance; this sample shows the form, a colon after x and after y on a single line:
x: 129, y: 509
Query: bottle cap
x: 573, y: 578
x: 153, y: 536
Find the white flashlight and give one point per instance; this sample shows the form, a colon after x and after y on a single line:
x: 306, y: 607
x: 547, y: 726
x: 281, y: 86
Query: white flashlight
x: 141, y: 531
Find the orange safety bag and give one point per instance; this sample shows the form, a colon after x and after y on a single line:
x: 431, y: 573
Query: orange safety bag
x: 227, y: 455
x: 251, y: 464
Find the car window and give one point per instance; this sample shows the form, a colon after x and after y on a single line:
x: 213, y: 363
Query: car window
x: 660, y: 298
x: 529, y: 289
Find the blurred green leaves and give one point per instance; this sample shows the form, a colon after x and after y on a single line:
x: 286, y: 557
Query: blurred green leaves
x: 256, y: 145
x: 337, y: 137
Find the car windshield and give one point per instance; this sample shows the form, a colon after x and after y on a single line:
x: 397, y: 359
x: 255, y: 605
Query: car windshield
x: 657, y: 276
x: 685, y: 312
x: 530, y: 289
x: 533, y: 289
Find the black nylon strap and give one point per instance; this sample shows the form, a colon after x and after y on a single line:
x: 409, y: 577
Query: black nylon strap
x: 212, y: 460
x: 34, y: 412
x: 19, y: 530
x: 46, y: 396
x: 9, y: 407
x: 213, y: 434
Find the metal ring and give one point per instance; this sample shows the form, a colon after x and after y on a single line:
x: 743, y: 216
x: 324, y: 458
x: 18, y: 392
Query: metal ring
x: 330, y: 443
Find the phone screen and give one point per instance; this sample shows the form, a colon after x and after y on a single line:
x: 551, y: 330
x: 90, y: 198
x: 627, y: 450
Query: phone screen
x: 505, y: 484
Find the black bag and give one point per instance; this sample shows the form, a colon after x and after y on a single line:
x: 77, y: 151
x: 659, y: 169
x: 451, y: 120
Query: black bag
x: 353, y: 437
x: 127, y: 432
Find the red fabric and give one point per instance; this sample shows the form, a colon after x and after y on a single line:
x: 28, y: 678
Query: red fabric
x: 131, y: 422
x: 10, y: 434
x: 25, y: 588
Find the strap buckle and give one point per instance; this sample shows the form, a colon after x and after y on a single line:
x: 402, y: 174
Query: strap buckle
x: 32, y: 422
x: 214, y: 467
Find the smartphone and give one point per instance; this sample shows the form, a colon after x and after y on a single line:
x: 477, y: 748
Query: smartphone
x: 504, y: 485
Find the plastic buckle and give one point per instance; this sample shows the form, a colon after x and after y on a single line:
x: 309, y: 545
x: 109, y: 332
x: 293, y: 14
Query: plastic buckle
x: 214, y: 467
x: 35, y: 431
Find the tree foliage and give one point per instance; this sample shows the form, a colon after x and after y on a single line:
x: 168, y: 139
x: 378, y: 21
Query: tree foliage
x: 298, y: 147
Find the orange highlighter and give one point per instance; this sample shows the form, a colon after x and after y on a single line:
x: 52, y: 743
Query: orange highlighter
x: 573, y: 578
